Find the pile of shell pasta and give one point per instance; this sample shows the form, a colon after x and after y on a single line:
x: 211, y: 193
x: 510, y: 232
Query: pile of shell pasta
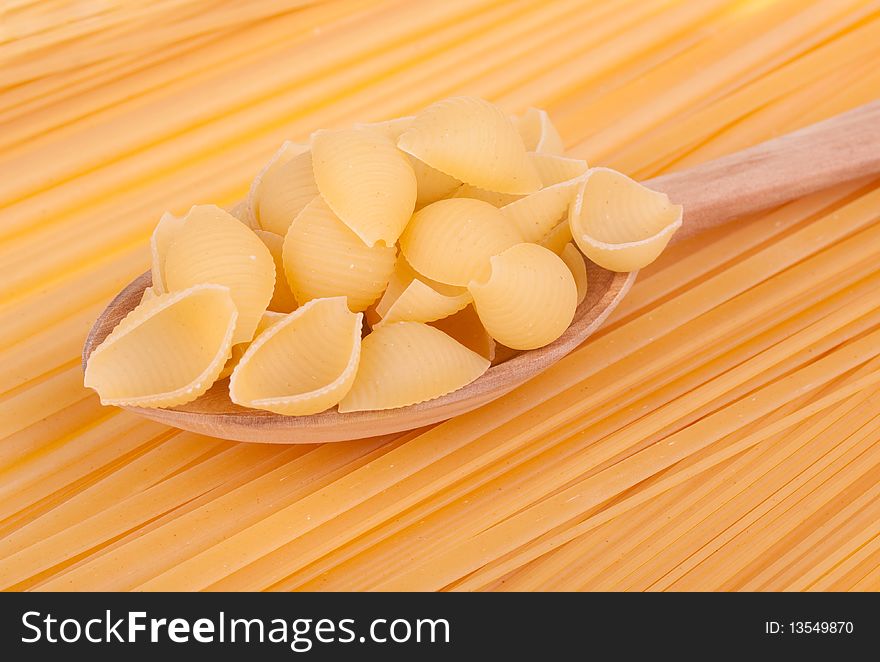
x: 379, y: 266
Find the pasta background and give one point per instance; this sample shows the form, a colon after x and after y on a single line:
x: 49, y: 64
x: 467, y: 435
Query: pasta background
x: 773, y: 493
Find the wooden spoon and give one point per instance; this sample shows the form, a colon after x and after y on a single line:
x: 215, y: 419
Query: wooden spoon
x: 837, y: 150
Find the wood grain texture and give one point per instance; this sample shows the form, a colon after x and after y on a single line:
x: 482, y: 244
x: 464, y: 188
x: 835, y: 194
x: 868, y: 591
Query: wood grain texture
x: 777, y: 171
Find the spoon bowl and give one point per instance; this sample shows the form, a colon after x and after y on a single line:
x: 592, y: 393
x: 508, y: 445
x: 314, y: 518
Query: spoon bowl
x: 838, y: 150
x: 214, y: 414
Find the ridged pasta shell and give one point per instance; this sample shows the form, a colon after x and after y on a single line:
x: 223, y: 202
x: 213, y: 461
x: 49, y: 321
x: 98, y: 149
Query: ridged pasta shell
x: 163, y: 236
x: 578, y: 268
x: 167, y: 351
x: 432, y: 185
x: 266, y: 320
x: 493, y: 198
x: 451, y: 241
x: 282, y: 300
x: 367, y: 182
x: 529, y: 299
x: 620, y: 224
x: 537, y: 214
x: 391, y: 129
x: 285, y: 153
x: 409, y: 362
x: 240, y: 211
x: 149, y: 293
x: 557, y: 239
x: 465, y: 327
x: 411, y: 297
x: 538, y: 132
x: 554, y: 169
x: 286, y: 188
x: 303, y: 364
x: 473, y: 141
x: 324, y: 258
x: 213, y: 247
x: 419, y: 302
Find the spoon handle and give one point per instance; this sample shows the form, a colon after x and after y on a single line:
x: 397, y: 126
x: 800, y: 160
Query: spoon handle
x: 837, y: 150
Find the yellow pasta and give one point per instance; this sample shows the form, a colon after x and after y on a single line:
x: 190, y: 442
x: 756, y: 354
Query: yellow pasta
x: 167, y: 351
x: 149, y: 293
x: 324, y: 258
x: 578, y: 268
x: 432, y: 185
x: 266, y: 320
x: 528, y: 300
x: 538, y: 133
x: 367, y: 182
x: 620, y: 224
x: 288, y: 151
x: 473, y: 141
x: 163, y: 236
x: 282, y: 300
x: 240, y: 211
x: 284, y: 190
x: 537, y: 214
x: 303, y: 364
x: 213, y: 247
x: 465, y: 327
x: 451, y: 241
x: 420, y: 302
x: 558, y: 238
x: 391, y: 129
x: 493, y: 198
x: 554, y: 169
x: 411, y: 297
x: 409, y: 362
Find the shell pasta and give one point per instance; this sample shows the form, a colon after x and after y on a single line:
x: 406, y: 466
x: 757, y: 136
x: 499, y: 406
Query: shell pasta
x: 528, y: 300
x: 408, y: 362
x: 167, y: 351
x: 324, y: 258
x: 302, y: 364
x: 380, y: 266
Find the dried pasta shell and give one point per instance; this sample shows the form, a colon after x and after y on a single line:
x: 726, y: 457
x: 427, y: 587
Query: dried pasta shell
x: 537, y: 214
x: 286, y: 188
x: 268, y: 319
x: 391, y: 129
x: 451, y: 241
x: 285, y: 153
x: 557, y: 239
x: 163, y: 236
x: 554, y: 169
x: 282, y: 300
x: 367, y: 182
x: 409, y: 362
x: 538, y: 133
x: 528, y: 300
x: 465, y: 327
x: 411, y: 297
x: 473, y: 141
x: 578, y: 268
x: 149, y: 293
x: 419, y: 302
x: 240, y: 211
x: 167, y: 351
x: 303, y: 364
x: 493, y: 198
x: 213, y: 247
x: 432, y: 185
x: 324, y: 258
x: 620, y: 224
